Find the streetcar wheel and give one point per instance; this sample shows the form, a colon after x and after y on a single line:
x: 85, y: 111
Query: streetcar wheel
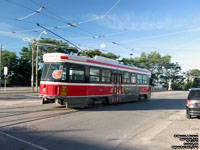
x: 44, y: 101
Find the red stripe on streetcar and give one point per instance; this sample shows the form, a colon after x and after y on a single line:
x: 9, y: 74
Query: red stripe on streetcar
x: 63, y: 57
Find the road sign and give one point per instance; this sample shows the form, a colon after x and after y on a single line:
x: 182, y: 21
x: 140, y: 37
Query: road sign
x: 5, y: 71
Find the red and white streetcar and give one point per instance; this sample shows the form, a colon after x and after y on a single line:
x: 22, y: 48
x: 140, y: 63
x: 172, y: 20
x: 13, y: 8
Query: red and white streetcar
x: 77, y: 81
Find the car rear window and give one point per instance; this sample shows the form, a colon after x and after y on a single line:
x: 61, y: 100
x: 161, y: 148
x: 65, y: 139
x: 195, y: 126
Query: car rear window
x: 194, y: 95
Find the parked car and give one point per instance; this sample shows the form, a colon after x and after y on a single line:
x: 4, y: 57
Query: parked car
x: 193, y: 103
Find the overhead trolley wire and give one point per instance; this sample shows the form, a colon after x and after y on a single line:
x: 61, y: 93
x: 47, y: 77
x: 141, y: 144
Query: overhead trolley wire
x: 57, y: 27
x: 47, y: 9
x: 30, y: 9
x: 29, y: 15
x: 111, y: 9
x: 61, y: 20
x: 74, y: 24
x: 65, y: 26
x: 14, y: 26
x: 59, y: 36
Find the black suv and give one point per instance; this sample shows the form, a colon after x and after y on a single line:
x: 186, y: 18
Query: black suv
x: 193, y: 103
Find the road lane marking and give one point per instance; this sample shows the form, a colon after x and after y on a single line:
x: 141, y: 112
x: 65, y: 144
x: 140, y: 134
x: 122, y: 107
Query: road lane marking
x: 23, y: 141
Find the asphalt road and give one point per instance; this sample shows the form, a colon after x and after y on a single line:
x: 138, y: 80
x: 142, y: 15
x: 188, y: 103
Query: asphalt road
x: 27, y: 124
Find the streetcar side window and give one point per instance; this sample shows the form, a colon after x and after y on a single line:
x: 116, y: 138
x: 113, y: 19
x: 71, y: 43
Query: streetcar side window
x: 126, y: 78
x: 139, y: 78
x: 76, y: 73
x: 133, y: 78
x: 145, y: 79
x: 94, y: 74
x: 106, y: 76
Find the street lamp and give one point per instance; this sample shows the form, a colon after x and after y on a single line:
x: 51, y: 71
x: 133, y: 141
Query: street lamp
x: 36, y: 69
x: 102, y: 46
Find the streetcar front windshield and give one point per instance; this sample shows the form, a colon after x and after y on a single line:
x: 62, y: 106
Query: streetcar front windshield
x: 54, y: 72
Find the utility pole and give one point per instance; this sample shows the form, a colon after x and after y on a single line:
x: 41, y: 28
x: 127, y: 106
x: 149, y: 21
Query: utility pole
x: 36, y: 67
x: 32, y: 75
x: 0, y: 63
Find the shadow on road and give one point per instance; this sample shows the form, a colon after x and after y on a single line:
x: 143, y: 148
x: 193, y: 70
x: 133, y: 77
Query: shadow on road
x: 153, y: 104
x: 57, y: 111
x: 49, y: 140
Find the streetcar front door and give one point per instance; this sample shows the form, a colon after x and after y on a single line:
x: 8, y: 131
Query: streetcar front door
x: 116, y: 87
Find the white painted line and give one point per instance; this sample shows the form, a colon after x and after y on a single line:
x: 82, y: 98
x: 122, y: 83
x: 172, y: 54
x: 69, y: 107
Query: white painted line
x: 23, y: 141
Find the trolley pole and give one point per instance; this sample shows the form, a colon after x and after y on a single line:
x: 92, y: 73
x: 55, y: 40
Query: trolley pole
x: 0, y: 63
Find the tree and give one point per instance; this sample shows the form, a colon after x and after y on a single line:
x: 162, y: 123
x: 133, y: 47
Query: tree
x: 111, y: 56
x: 24, y: 67
x: 196, y: 83
x: 172, y: 74
x: 10, y: 60
x: 127, y: 61
x: 93, y: 53
x: 50, y: 45
x: 47, y: 45
x: 192, y: 74
x: 161, y: 68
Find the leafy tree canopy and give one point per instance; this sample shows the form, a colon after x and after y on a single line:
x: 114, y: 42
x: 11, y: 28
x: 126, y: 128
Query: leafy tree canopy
x: 10, y: 60
x: 194, y: 73
x: 160, y: 66
x: 47, y: 45
x: 93, y: 53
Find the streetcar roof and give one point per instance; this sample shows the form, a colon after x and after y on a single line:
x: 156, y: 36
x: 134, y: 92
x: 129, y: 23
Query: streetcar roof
x: 97, y: 61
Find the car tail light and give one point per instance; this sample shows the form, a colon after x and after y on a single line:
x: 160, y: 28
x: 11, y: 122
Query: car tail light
x: 187, y: 102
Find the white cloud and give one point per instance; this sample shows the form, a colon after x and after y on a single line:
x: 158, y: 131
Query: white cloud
x: 132, y: 21
x: 6, y: 30
x: 15, y: 35
x: 145, y: 21
x: 5, y: 26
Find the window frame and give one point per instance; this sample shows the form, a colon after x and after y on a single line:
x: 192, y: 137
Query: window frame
x: 125, y: 79
x: 138, y: 79
x: 76, y: 81
x: 103, y: 69
x: 135, y: 76
x: 95, y: 75
x: 147, y: 79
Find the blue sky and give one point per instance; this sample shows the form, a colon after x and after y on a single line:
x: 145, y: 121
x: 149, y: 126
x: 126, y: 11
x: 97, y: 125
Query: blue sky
x: 166, y: 26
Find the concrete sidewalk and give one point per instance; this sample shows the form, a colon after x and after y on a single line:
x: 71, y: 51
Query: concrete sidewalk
x: 16, y: 90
